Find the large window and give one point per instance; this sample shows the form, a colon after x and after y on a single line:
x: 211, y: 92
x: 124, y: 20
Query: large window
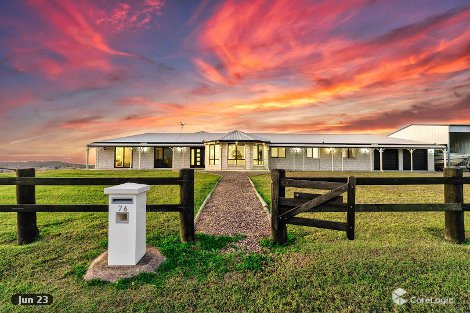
x: 163, y: 157
x: 236, y: 154
x: 258, y: 154
x: 349, y: 153
x: 313, y: 153
x: 214, y: 154
x: 277, y: 152
x: 123, y: 157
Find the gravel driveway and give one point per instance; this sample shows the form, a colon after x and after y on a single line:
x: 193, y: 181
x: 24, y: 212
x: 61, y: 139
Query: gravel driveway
x: 234, y: 209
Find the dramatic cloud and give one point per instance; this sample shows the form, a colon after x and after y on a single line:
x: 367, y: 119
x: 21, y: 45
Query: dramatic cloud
x: 73, y: 35
x: 73, y: 72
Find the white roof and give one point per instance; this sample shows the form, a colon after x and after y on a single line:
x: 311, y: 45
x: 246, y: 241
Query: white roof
x: 274, y: 139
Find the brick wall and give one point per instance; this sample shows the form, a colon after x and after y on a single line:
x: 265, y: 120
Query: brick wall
x: 431, y: 166
x: 293, y: 161
x: 146, y: 159
x: 104, y: 158
x: 181, y: 158
x: 298, y: 161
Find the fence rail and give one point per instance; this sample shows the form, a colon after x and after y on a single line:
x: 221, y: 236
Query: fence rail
x: 89, y: 181
x: 388, y: 181
x: 80, y: 208
x: 284, y: 209
x: 26, y: 207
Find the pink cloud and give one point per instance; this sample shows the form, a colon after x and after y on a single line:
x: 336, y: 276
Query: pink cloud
x: 75, y: 35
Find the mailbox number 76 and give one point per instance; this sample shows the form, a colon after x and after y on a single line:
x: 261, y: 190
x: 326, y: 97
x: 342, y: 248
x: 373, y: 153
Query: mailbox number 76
x: 123, y: 208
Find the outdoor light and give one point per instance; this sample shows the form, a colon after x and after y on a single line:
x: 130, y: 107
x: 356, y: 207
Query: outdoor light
x: 365, y: 150
x: 296, y: 150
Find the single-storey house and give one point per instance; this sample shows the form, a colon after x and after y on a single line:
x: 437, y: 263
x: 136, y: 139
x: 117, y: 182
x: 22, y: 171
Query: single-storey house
x: 238, y: 150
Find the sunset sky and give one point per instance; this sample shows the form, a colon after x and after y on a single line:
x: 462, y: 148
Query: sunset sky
x: 73, y: 72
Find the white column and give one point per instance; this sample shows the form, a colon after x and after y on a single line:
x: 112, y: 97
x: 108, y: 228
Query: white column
x: 411, y: 157
x: 132, y: 158
x: 220, y: 162
x: 332, y: 151
x: 293, y: 150
x: 303, y: 159
x: 371, y: 156
x: 342, y: 160
x: 140, y: 150
x: 444, y: 152
x: 87, y: 157
x: 381, y: 151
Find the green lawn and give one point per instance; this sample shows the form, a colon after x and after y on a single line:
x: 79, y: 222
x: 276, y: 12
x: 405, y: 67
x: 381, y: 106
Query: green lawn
x: 391, y: 250
x: 319, y: 270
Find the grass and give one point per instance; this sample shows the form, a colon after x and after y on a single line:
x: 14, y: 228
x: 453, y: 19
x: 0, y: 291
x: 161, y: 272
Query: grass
x: 391, y: 250
x: 318, y: 270
x: 204, y: 183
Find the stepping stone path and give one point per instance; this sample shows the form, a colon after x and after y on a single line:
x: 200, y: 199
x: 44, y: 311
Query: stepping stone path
x: 234, y: 209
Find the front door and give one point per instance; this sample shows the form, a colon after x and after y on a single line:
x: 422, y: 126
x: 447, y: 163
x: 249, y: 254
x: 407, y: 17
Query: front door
x: 197, y: 157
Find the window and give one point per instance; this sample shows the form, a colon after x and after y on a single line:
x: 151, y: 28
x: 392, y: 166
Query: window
x: 214, y: 154
x: 163, y: 157
x: 236, y: 154
x: 123, y: 157
x: 258, y: 154
x: 349, y: 153
x: 313, y: 153
x: 278, y: 152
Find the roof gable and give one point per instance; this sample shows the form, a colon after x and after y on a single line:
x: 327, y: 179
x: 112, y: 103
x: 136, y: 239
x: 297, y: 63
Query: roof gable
x: 237, y: 135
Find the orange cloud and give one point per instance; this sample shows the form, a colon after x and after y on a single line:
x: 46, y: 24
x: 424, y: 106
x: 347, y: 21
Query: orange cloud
x: 249, y: 37
x: 254, y: 41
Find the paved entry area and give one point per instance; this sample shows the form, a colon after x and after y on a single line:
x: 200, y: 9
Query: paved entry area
x: 234, y: 209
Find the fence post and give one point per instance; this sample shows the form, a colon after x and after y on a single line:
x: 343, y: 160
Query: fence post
x: 351, y: 207
x: 26, y: 221
x: 454, y: 220
x: 278, y: 228
x: 187, y: 204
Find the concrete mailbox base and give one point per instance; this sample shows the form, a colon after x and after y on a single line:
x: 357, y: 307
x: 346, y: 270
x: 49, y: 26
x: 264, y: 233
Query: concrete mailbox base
x: 99, y: 268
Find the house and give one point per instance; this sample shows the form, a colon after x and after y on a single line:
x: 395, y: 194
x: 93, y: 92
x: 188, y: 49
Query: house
x: 238, y: 150
x: 456, y: 138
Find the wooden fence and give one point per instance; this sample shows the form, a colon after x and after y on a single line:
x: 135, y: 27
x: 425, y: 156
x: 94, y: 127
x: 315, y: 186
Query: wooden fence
x: 283, y: 209
x: 26, y: 207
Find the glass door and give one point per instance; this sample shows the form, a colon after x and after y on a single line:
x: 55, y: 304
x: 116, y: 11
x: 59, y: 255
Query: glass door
x: 197, y: 157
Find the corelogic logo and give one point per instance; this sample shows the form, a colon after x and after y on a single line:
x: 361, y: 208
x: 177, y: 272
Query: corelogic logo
x: 397, y: 296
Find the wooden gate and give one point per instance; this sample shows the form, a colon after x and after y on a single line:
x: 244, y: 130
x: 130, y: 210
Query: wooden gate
x: 284, y: 210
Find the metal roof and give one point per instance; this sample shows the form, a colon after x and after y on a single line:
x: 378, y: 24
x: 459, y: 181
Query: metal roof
x: 455, y: 127
x: 274, y: 139
x: 459, y: 128
x: 161, y: 138
x: 237, y: 135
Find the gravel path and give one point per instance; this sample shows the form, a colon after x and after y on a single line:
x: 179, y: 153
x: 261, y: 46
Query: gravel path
x: 234, y: 209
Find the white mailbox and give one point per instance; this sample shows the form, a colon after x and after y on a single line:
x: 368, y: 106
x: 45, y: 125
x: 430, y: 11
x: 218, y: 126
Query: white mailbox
x: 127, y: 231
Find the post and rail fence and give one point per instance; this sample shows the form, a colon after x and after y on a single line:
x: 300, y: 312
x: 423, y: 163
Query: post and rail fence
x: 26, y: 207
x: 283, y: 209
